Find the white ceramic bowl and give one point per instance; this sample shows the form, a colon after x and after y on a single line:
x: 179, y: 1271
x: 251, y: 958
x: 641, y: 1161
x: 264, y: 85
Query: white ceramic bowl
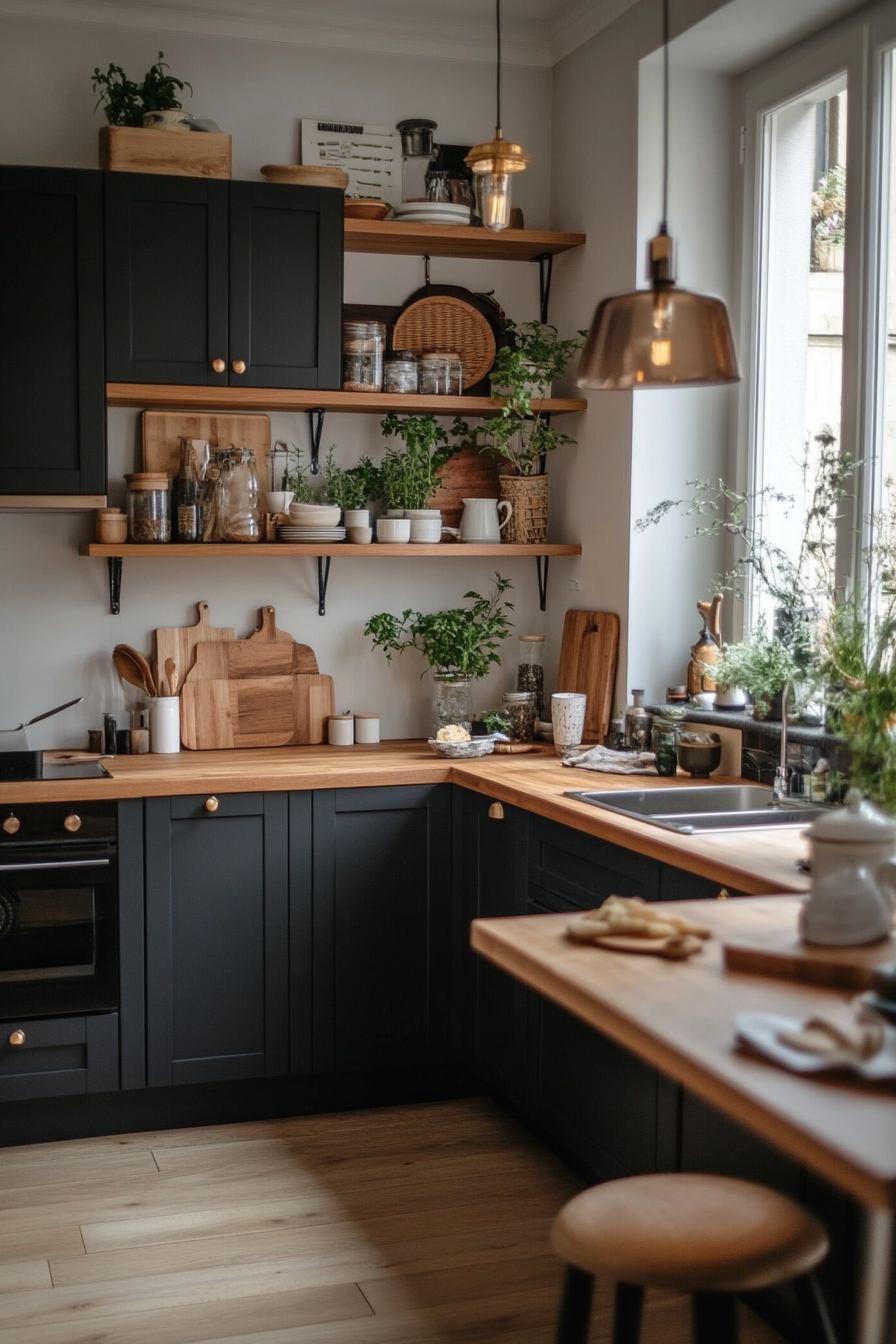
x: 393, y: 529
x: 315, y: 515
x: 426, y: 529
x: 278, y: 501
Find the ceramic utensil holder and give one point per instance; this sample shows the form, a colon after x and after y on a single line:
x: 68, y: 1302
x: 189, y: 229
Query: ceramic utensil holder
x: 164, y: 725
x: 568, y: 716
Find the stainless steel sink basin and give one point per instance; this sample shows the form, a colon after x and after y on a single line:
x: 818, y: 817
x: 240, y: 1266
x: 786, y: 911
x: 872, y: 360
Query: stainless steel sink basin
x: 691, y: 809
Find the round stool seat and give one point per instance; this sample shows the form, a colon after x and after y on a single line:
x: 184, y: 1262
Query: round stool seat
x: 694, y: 1233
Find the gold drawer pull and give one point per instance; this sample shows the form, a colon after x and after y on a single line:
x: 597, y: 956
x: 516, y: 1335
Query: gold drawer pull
x: 496, y: 812
x: 211, y: 804
x: 12, y: 824
x: 72, y: 822
x: 17, y: 1038
x: 724, y: 894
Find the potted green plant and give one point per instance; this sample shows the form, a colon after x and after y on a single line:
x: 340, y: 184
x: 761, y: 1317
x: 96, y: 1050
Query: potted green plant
x: 459, y: 646
x: 409, y: 475
x: 521, y: 433
x: 125, y: 102
x: 762, y: 666
x: 352, y: 487
x: 829, y: 220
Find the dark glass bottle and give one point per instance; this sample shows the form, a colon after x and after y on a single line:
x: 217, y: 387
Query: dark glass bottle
x: 186, y: 498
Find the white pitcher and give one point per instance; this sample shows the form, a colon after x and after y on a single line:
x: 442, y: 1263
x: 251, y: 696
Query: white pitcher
x: 480, y: 522
x: 853, y: 876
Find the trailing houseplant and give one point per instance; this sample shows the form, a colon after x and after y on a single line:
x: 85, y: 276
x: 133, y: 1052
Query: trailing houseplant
x: 409, y: 475
x: 125, y: 101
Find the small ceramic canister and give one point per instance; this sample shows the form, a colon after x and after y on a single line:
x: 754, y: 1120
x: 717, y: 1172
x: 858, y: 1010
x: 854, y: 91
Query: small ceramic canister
x: 853, y: 876
x: 341, y: 730
x: 568, y: 717
x: 367, y: 728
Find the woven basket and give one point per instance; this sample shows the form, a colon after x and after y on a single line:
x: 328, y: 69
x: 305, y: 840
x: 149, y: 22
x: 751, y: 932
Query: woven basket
x: 529, y: 496
x: 441, y: 322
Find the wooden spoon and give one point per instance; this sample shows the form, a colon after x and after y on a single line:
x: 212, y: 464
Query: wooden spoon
x: 133, y: 668
x: 171, y: 674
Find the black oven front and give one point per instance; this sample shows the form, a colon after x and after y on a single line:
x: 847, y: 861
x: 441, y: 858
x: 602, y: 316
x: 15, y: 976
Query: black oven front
x: 58, y: 910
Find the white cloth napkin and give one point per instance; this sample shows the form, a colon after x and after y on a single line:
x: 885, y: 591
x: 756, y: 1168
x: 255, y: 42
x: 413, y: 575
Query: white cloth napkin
x: 616, y: 762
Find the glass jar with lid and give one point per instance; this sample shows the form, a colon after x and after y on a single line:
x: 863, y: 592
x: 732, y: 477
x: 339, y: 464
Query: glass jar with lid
x: 240, y: 514
x: 434, y: 374
x: 637, y: 724
x: 530, y: 673
x: 149, y: 510
x: 519, y: 708
x: 363, y: 344
x: 400, y: 372
x: 665, y: 744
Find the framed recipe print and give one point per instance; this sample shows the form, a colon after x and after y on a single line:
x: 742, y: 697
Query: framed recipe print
x: 371, y: 155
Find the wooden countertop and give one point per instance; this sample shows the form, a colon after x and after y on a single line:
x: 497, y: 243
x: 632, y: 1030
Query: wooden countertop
x: 758, y: 863
x: 679, y: 1016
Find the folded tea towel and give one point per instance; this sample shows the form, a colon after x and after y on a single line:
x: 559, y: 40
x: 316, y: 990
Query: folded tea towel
x: 842, y: 1033
x: 616, y: 762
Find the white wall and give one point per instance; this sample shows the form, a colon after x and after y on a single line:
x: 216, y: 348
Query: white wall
x: 55, y: 630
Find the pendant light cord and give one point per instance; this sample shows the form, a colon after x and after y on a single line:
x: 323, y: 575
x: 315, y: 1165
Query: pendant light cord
x: 498, y: 81
x: 663, y: 224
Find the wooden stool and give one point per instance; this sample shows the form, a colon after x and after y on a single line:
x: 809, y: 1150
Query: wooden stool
x: 710, y: 1236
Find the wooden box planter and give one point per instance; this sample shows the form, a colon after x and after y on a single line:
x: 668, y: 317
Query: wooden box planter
x: 135, y: 149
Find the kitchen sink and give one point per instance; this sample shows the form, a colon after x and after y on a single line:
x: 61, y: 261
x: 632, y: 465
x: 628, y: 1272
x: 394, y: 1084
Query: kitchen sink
x: 692, y: 809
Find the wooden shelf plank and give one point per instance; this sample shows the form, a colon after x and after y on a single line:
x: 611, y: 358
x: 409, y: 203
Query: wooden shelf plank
x: 439, y: 240
x: 169, y: 396
x: 380, y: 550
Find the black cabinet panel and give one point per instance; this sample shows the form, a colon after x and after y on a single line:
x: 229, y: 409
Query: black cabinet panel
x: 51, y: 338
x: 60, y: 1057
x: 166, y: 278
x: 131, y: 943
x: 301, y: 934
x: 585, y: 870
x: 678, y: 885
x: 216, y: 940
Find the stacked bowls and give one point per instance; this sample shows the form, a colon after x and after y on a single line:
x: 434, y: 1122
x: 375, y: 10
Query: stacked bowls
x: 312, y: 522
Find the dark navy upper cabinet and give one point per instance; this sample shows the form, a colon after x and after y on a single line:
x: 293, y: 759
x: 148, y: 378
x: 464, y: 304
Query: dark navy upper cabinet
x: 51, y: 335
x: 217, y: 938
x: 222, y: 283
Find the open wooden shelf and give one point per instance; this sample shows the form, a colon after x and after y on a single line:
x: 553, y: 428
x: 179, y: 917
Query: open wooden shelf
x: 171, y: 396
x: 441, y: 240
x: 378, y: 550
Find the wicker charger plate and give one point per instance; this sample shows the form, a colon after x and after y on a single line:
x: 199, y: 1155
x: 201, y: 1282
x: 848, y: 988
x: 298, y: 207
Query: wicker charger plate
x: 440, y: 322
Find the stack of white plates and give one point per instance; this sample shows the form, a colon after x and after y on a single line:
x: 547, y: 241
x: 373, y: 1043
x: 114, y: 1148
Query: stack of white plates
x: 289, y: 532
x: 431, y: 212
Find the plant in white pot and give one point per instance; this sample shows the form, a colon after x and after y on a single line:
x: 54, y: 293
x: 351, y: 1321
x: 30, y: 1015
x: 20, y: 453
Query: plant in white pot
x: 126, y: 103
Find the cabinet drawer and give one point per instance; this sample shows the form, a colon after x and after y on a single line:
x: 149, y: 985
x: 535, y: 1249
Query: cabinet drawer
x: 585, y: 870
x: 678, y: 885
x: 60, y: 1057
x: 228, y: 805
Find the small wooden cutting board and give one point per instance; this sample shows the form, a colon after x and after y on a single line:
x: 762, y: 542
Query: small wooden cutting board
x: 232, y: 660
x: 588, y: 655
x: 267, y: 632
x: 163, y: 430
x: 783, y: 955
x: 180, y: 641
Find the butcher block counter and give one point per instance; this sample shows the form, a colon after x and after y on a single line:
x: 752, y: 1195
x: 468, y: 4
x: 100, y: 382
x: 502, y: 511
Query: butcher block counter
x: 756, y: 862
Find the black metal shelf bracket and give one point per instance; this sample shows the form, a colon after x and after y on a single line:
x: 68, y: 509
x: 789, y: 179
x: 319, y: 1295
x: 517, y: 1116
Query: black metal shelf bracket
x: 545, y: 272
x: 115, y: 567
x: 315, y: 429
x: 323, y: 578
x: 541, y: 564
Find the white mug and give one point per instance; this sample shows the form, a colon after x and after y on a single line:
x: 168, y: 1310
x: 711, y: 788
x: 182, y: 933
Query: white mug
x: 357, y: 518
x: 164, y: 725
x: 568, y: 716
x: 426, y: 529
x: 480, y: 521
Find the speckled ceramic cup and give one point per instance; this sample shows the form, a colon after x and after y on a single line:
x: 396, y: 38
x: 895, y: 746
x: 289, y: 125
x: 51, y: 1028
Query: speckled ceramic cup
x: 568, y: 717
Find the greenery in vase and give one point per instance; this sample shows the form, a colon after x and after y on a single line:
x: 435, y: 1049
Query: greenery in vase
x: 351, y: 487
x: 463, y: 641
x: 829, y: 207
x: 762, y: 665
x: 408, y: 476
x: 125, y: 101
x: 519, y: 433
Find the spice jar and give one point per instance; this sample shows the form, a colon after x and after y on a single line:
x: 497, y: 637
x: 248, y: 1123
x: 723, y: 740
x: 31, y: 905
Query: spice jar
x: 434, y: 371
x: 149, y: 515
x: 519, y: 708
x: 111, y: 526
x: 400, y: 372
x: 637, y: 724
x: 363, y: 344
x: 530, y: 673
x: 665, y: 744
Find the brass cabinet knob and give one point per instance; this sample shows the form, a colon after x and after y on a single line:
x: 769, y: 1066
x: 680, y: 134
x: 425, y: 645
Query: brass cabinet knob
x: 218, y: 365
x: 496, y: 812
x: 72, y: 822
x: 17, y: 1038
x: 211, y: 804
x: 12, y: 824
x: 239, y: 366
x: 724, y: 894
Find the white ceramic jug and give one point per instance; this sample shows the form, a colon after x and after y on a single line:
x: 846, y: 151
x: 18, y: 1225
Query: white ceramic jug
x: 853, y: 876
x: 480, y: 522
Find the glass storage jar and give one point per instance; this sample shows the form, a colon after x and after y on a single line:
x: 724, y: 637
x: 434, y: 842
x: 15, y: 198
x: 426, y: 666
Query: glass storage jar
x: 637, y: 724
x: 400, y: 372
x: 434, y: 374
x: 530, y: 673
x: 452, y: 700
x: 240, y: 514
x: 519, y: 708
x: 149, y: 509
x: 665, y: 743
x: 363, y: 344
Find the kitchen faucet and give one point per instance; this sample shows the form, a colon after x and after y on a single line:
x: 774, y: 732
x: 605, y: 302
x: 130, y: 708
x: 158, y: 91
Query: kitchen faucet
x: 781, y: 788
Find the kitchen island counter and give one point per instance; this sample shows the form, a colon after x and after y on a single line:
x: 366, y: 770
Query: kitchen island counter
x: 757, y: 862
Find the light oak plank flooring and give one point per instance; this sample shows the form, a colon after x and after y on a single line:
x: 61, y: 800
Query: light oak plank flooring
x: 409, y: 1225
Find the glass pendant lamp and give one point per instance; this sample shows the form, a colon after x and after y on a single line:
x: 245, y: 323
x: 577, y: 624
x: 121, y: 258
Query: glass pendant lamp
x: 662, y: 336
x: 495, y: 161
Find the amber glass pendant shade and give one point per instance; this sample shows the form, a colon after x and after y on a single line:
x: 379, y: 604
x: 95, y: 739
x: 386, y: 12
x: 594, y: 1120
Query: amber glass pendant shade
x: 495, y: 161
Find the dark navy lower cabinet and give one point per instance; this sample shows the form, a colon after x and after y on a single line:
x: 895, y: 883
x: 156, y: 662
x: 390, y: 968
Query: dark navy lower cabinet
x: 58, y: 1057
x: 217, y: 938
x: 584, y: 870
x: 382, y: 927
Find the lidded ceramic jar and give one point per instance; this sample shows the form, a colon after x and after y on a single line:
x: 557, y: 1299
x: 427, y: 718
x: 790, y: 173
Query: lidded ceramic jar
x: 853, y: 853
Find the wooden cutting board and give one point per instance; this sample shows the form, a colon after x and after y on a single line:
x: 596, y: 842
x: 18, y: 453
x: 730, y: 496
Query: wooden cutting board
x: 780, y: 953
x: 180, y: 641
x: 256, y: 712
x: 163, y: 430
x: 267, y: 632
x: 232, y: 660
x: 588, y: 654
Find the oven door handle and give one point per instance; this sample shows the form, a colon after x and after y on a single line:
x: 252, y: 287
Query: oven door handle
x: 61, y: 863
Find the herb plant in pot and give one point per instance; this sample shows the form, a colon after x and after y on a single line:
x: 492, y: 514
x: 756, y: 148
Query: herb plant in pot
x: 520, y: 432
x: 351, y: 487
x: 409, y: 475
x: 459, y: 645
x: 127, y: 103
x: 762, y: 666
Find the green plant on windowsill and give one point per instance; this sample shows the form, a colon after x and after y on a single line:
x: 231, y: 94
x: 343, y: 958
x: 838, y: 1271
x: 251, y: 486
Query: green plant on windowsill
x: 460, y: 641
x: 762, y: 666
x: 408, y: 475
x: 125, y: 101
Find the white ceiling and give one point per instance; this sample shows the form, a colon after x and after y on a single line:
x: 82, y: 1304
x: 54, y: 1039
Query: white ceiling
x: 535, y: 32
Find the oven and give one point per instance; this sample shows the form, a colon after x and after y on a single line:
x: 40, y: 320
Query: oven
x: 58, y: 909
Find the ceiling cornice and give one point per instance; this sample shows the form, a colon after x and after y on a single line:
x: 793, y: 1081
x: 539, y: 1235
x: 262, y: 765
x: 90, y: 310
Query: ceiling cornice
x: 580, y: 21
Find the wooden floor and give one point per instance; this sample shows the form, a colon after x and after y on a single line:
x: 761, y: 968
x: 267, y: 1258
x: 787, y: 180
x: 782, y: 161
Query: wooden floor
x: 400, y: 1226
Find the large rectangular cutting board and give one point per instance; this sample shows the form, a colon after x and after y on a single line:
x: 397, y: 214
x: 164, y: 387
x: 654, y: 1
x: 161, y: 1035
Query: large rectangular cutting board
x: 588, y: 655
x: 256, y: 712
x: 163, y: 430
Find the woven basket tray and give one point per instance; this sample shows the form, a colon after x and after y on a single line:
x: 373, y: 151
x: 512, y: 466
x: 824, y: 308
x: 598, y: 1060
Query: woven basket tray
x: 441, y: 322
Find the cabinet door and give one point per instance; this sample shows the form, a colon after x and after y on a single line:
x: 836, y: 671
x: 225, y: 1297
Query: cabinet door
x: 489, y: 1007
x: 58, y: 1057
x: 52, y: 387
x: 382, y: 926
x: 216, y: 938
x: 285, y: 285
x: 583, y: 870
x: 166, y: 279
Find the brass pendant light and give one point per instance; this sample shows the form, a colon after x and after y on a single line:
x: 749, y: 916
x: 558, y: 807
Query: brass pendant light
x: 495, y: 161
x: 662, y: 336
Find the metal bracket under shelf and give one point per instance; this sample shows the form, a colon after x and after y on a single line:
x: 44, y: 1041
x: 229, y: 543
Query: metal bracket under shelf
x: 545, y: 272
x: 541, y: 564
x: 115, y: 567
x: 315, y: 429
x: 323, y: 578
